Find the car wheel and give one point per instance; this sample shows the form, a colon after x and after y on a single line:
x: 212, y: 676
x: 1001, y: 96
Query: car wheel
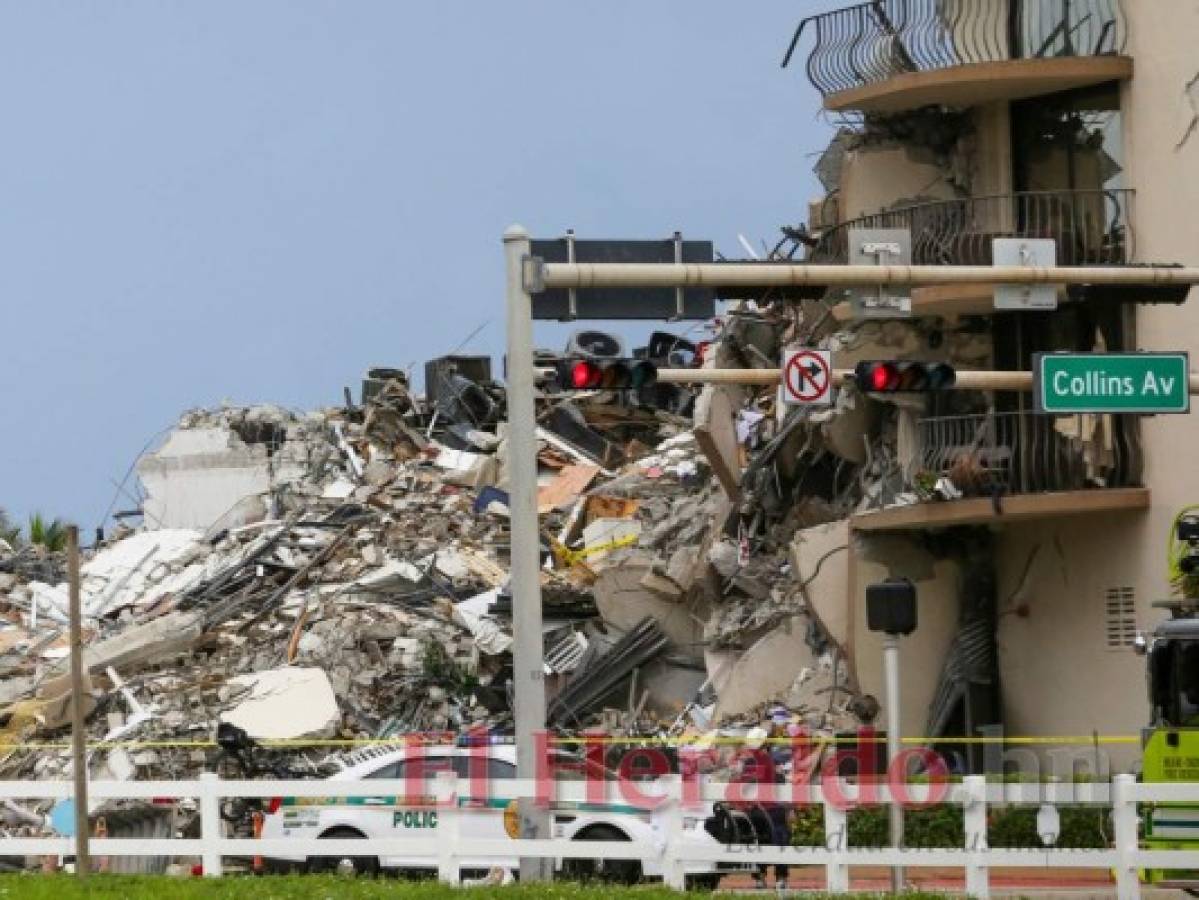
x: 352, y: 866
x: 611, y: 871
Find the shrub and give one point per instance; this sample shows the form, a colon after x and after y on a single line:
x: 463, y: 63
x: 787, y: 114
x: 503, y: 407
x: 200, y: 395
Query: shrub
x: 1009, y: 827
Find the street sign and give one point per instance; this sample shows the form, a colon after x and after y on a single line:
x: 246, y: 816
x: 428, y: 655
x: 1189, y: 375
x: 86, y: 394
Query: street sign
x: 807, y: 377
x: 1111, y: 382
x: 623, y: 303
x: 880, y: 247
x: 1040, y: 252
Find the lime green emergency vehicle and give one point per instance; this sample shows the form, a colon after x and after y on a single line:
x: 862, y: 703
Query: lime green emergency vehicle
x: 1170, y: 744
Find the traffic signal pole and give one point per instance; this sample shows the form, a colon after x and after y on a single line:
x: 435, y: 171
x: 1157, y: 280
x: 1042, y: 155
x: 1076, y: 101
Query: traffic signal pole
x: 528, y: 672
x: 527, y: 276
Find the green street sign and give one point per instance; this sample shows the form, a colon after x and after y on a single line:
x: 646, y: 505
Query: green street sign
x: 1112, y: 382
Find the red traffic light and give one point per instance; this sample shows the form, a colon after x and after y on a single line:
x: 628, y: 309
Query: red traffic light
x: 883, y: 377
x: 585, y: 375
x: 606, y: 374
x: 893, y: 376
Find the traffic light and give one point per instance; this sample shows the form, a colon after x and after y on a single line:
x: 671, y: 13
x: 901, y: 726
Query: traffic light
x: 893, y: 376
x: 606, y: 374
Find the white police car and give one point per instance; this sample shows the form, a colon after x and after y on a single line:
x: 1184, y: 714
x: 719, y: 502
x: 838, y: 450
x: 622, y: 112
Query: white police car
x: 486, y: 818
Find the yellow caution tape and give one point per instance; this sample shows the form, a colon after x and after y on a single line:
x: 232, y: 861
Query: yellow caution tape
x: 615, y: 741
x: 877, y: 739
x: 571, y: 557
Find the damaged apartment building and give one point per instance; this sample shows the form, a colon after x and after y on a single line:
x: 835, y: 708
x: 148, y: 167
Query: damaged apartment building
x: 1035, y: 541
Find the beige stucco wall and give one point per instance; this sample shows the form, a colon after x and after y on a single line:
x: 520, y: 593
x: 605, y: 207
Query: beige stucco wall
x: 876, y: 178
x: 1095, y: 687
x: 1058, y: 675
x: 991, y: 172
x: 1163, y: 165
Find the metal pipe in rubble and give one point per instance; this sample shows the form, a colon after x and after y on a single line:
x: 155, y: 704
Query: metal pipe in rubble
x: 525, y: 584
x: 891, y: 678
x: 965, y: 380
x: 628, y: 275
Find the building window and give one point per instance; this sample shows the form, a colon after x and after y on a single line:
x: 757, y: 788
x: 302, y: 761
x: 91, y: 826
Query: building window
x: 1073, y: 141
x: 1121, y: 618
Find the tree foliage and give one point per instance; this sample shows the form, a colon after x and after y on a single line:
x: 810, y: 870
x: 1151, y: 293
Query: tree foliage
x: 50, y: 534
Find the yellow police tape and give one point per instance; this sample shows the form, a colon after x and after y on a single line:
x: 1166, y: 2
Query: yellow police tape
x: 571, y: 557
x: 1051, y: 740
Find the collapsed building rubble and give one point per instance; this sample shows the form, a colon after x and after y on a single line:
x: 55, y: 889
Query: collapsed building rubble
x: 341, y: 575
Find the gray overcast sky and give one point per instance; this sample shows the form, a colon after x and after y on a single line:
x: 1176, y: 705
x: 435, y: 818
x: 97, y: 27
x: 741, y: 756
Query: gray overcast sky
x: 257, y: 201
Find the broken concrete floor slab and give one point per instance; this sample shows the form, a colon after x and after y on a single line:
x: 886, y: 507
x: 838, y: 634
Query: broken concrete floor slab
x: 284, y: 704
x: 622, y: 602
x: 765, y: 671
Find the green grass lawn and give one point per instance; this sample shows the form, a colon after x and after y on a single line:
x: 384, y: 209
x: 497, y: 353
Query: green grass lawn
x: 308, y: 887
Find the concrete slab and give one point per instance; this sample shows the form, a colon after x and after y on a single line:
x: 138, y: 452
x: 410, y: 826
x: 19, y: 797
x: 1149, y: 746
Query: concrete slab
x: 820, y: 557
x: 716, y: 434
x: 138, y: 645
x: 766, y: 670
x: 623, y: 602
x: 285, y: 704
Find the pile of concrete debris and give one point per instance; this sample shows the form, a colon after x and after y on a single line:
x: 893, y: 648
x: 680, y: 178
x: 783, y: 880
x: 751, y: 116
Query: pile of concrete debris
x: 342, y: 575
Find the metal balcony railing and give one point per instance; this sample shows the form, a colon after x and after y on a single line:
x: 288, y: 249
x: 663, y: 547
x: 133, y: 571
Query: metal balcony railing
x: 1090, y: 227
x: 1027, y: 453
x: 878, y: 40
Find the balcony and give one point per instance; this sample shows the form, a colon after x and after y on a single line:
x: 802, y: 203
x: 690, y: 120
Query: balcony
x: 1092, y: 228
x: 887, y: 56
x: 1018, y: 466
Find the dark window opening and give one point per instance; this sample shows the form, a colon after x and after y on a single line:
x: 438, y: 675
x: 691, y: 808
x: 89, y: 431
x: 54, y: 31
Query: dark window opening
x: 1070, y: 141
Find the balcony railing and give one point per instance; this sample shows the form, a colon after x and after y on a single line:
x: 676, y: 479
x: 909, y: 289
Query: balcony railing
x: 1026, y: 453
x: 881, y: 39
x: 1090, y: 227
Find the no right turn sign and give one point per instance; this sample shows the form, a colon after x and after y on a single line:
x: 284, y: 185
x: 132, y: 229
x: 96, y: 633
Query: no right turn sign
x: 808, y: 377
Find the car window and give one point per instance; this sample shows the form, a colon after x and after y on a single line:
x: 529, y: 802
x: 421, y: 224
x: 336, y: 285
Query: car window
x: 423, y: 767
x: 472, y: 765
x: 388, y: 771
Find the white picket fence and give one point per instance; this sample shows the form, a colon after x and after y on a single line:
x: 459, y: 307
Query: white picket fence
x: 447, y: 845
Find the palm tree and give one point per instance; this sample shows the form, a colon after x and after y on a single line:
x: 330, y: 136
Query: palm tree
x: 49, y: 534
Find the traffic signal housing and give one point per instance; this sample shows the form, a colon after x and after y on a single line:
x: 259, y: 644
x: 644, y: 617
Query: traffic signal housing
x: 585, y: 374
x: 899, y: 376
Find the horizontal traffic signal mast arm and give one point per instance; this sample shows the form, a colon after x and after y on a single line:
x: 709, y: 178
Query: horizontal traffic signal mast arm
x: 632, y: 275
x: 964, y: 380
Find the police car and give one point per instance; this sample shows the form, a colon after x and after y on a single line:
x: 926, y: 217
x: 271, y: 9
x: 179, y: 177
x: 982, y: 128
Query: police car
x: 368, y: 817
